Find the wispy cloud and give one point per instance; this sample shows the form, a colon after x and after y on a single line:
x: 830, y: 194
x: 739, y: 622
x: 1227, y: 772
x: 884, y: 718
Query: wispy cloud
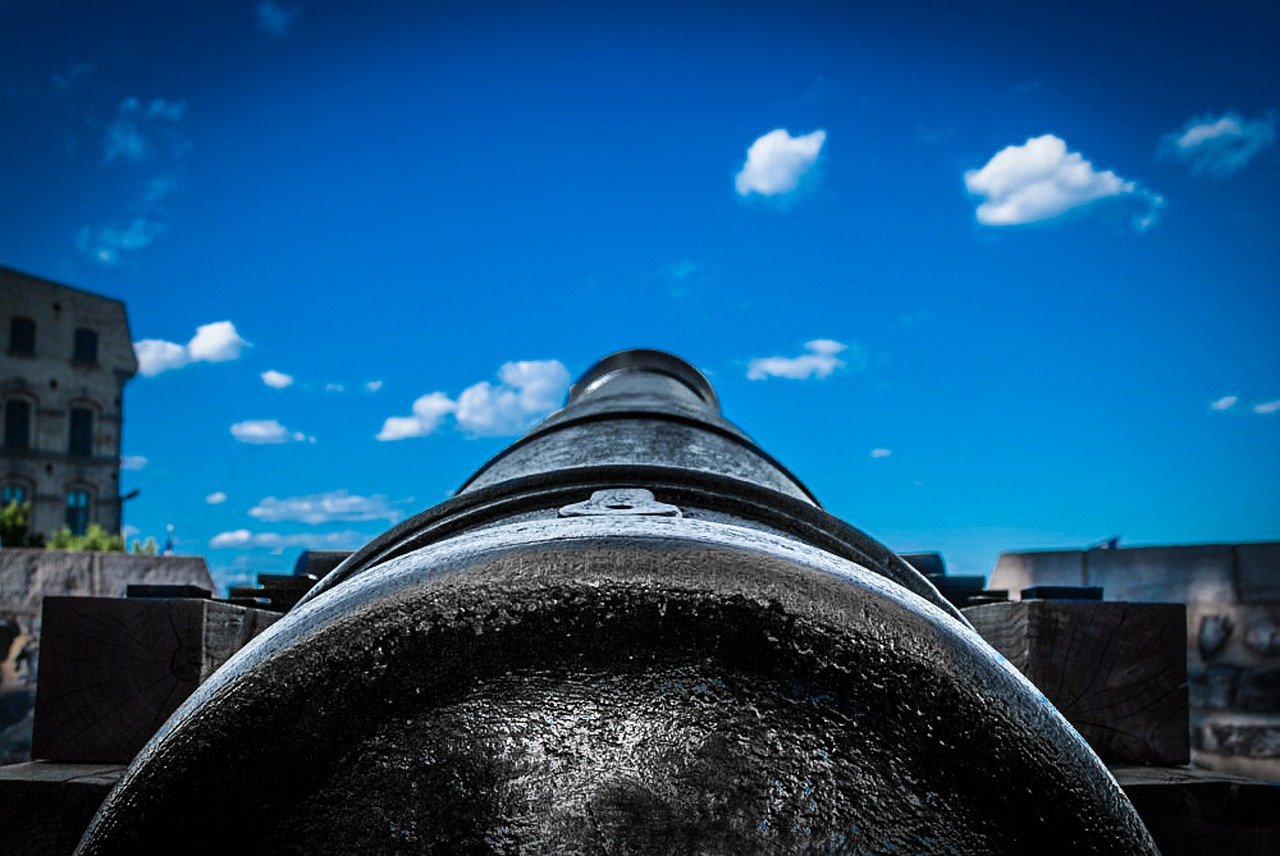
x: 130, y: 136
x: 1041, y: 179
x: 63, y: 80
x: 679, y: 271
x: 317, y: 508
x: 105, y: 244
x: 147, y: 136
x: 245, y: 539
x: 1229, y: 402
x: 276, y: 20
x: 1220, y: 145
x: 527, y: 391
x: 819, y: 362
x: 132, y: 462
x: 777, y: 161
x: 881, y: 453
x: 275, y: 379
x: 266, y: 431
x: 684, y: 277
x: 213, y: 343
x: 216, y: 498
x: 373, y: 385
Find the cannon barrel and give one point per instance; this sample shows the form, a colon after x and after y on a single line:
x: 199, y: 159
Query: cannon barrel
x: 632, y: 631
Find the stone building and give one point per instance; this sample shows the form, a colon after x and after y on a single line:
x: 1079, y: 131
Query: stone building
x: 63, y: 367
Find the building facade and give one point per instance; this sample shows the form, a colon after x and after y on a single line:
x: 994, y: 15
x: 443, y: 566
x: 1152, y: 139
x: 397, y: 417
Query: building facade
x: 63, y: 367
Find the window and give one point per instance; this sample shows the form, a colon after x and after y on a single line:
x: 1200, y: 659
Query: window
x: 86, y: 346
x: 22, y: 336
x: 17, y: 423
x: 12, y: 493
x: 81, y: 432
x: 77, y: 511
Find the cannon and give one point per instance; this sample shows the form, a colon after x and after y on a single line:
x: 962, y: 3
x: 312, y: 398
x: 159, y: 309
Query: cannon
x: 631, y: 631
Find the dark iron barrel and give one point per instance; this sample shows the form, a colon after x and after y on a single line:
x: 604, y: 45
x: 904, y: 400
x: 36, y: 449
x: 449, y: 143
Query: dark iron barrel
x: 632, y: 631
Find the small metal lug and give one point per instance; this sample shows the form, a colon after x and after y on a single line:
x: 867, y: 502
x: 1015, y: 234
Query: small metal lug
x: 624, y: 501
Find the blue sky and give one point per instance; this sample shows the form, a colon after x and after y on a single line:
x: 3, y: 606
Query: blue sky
x: 994, y: 277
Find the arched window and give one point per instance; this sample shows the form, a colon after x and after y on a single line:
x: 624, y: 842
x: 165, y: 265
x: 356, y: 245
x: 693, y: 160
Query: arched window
x: 86, y: 346
x: 17, y: 423
x: 22, y: 336
x: 77, y: 510
x: 81, y: 435
x: 13, y: 492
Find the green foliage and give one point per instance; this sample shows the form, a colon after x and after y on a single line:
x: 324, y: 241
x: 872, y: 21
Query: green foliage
x: 14, y: 526
x: 94, y: 540
x: 148, y: 548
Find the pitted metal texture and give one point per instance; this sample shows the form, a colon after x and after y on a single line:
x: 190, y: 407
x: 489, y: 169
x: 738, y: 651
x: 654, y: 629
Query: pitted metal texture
x: 625, y: 685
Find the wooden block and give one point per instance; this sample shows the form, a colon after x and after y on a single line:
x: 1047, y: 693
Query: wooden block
x: 46, y: 806
x: 112, y: 670
x: 1116, y: 671
x: 1202, y: 813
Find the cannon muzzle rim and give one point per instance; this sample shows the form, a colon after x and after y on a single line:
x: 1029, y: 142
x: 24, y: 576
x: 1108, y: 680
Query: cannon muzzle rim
x: 645, y: 360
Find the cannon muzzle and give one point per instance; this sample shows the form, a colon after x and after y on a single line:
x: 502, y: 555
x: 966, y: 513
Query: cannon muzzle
x: 632, y: 631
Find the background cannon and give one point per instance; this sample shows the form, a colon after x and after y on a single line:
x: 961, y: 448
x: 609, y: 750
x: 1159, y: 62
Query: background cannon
x: 631, y: 631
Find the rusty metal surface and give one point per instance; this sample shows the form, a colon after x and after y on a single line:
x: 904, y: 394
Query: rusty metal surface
x: 718, y: 666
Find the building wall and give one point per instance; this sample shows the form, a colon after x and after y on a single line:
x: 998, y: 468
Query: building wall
x: 54, y: 383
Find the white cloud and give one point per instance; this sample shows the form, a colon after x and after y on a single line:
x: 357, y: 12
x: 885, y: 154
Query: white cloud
x: 1268, y: 407
x: 319, y: 508
x: 1040, y: 179
x: 275, y: 379
x: 276, y: 20
x: 213, y: 343
x: 881, y: 453
x: 428, y: 412
x: 266, y: 431
x: 820, y: 362
x: 777, y: 161
x: 132, y: 462
x: 156, y: 356
x: 216, y: 498
x: 234, y: 538
x: 1220, y: 145
x: 216, y: 343
x: 243, y: 538
x: 373, y: 385
x: 526, y: 392
x: 334, y: 387
x: 105, y: 243
x: 1225, y: 403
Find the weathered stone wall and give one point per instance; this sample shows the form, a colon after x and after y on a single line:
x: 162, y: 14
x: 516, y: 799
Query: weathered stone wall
x: 1232, y: 593
x: 26, y: 578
